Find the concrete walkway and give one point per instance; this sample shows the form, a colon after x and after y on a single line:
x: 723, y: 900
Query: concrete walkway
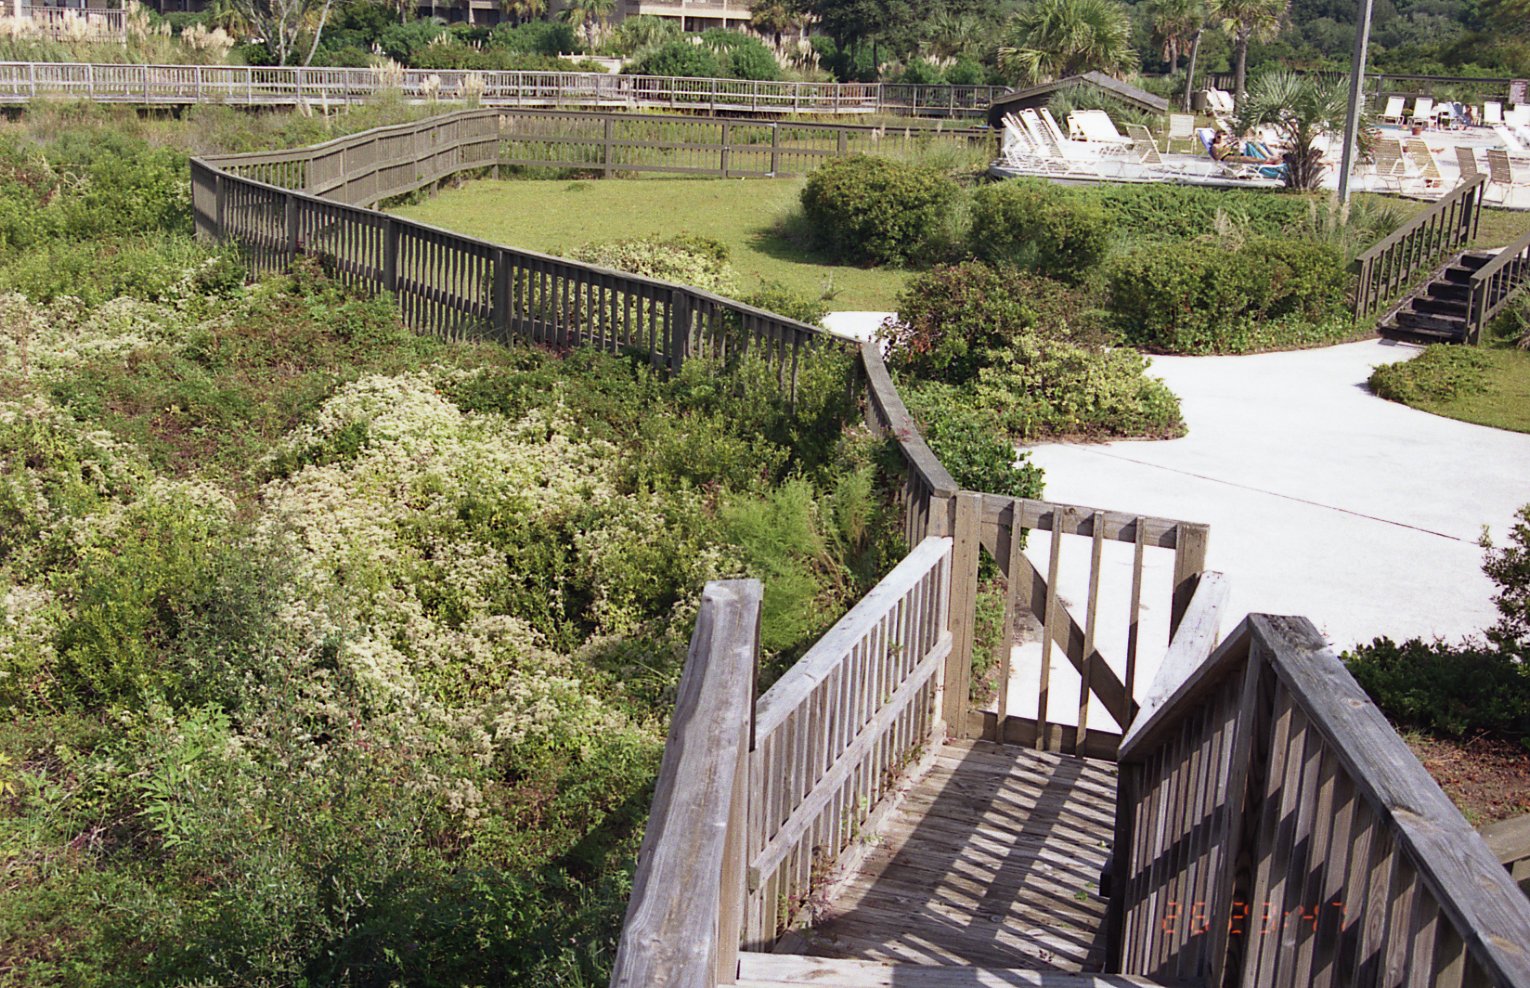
x: 1323, y: 500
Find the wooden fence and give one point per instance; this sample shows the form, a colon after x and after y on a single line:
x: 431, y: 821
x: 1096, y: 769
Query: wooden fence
x: 244, y: 85
x: 1273, y: 829
x: 311, y: 202
x: 1390, y: 267
x: 635, y: 143
x: 1495, y: 284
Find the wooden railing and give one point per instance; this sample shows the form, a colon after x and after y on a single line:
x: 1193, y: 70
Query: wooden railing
x: 244, y: 85
x: 459, y: 287
x: 687, y: 897
x: 1495, y: 284
x: 1509, y: 840
x: 1273, y: 829
x: 632, y: 143
x: 755, y: 799
x: 1391, y: 266
x: 833, y: 735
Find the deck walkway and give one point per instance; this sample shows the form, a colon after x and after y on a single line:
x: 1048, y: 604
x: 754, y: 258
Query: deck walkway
x: 991, y: 860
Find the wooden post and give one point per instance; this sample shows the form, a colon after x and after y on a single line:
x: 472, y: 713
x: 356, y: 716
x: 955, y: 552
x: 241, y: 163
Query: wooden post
x: 1189, y: 561
x: 967, y: 531
x: 775, y: 149
x: 220, y: 202
x: 727, y: 147
x: 679, y: 328
x: 501, y: 300
x: 605, y: 140
x: 290, y: 202
x: 390, y: 256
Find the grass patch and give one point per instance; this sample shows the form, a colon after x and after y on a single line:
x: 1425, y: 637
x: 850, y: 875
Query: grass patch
x: 1495, y: 228
x: 559, y: 215
x: 1480, y: 385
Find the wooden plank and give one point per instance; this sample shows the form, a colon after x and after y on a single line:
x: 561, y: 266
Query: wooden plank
x: 963, y: 610
x: 1189, y: 562
x: 1119, y: 526
x: 1191, y: 666
x: 1509, y: 839
x: 1461, y: 872
x: 670, y: 935
x: 1048, y: 633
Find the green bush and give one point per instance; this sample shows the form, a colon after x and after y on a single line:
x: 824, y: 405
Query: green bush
x: 741, y: 56
x: 149, y: 268
x: 1157, y: 211
x: 1453, y: 690
x: 970, y: 442
x: 677, y: 58
x: 1441, y: 373
x: 1199, y: 297
x: 873, y: 209
x: 1036, y: 225
x: 687, y: 260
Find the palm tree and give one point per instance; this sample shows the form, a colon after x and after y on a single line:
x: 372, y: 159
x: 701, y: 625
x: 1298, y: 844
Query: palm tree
x: 1210, y: 11
x: 772, y: 17
x: 1175, y: 23
x: 1301, y: 109
x: 954, y: 35
x: 1247, y: 20
x: 592, y: 15
x: 1049, y: 39
x: 521, y: 11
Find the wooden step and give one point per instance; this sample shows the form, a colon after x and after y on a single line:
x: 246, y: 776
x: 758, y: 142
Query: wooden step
x: 783, y: 970
x: 1449, y: 290
x: 1433, y: 305
x: 1413, y: 319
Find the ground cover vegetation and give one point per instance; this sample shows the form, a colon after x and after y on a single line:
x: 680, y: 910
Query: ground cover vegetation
x: 331, y: 654
x: 1472, y: 695
x: 1488, y: 384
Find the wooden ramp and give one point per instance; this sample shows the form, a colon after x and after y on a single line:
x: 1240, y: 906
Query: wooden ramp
x: 992, y: 860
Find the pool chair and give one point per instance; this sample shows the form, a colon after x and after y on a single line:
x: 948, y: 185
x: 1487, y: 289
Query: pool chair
x: 1492, y: 114
x: 1021, y: 151
x: 1145, y: 151
x: 1181, y: 128
x: 1466, y: 160
x: 1390, y: 167
x: 1068, y: 158
x: 1519, y: 117
x: 1511, y: 141
x: 1423, y: 159
x: 1240, y: 170
x: 1095, y: 127
x: 1500, y: 170
x: 1394, y: 111
x: 1423, y: 111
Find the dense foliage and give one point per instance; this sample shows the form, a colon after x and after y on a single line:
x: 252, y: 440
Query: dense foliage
x: 1440, y: 373
x: 1477, y: 685
x: 1036, y: 225
x: 1258, y: 294
x: 1023, y: 352
x: 880, y: 210
x: 331, y: 654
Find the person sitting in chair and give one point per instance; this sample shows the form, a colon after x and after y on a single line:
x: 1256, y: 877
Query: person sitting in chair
x: 1224, y: 149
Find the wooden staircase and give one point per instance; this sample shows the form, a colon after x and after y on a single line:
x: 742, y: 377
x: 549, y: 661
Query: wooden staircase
x: 1437, y: 311
x: 791, y: 971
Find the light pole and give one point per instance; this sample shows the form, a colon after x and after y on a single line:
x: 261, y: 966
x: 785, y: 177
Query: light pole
x: 1356, y: 95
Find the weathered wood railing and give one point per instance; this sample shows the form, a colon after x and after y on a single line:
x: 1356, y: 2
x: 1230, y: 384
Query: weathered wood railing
x: 833, y: 734
x: 455, y: 286
x: 632, y: 143
x: 244, y: 85
x: 756, y: 798
x: 1495, y: 284
x: 1274, y: 829
x: 1510, y: 841
x: 1390, y: 266
x: 687, y: 900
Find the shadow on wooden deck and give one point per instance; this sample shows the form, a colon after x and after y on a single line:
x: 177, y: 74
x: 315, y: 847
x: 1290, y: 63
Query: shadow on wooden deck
x: 992, y: 860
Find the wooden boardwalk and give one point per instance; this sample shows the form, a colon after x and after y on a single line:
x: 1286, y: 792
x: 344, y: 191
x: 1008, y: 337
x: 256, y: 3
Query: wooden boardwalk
x: 991, y: 860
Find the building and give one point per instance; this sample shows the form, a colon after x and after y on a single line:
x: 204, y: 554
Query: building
x: 71, y: 20
x: 695, y: 15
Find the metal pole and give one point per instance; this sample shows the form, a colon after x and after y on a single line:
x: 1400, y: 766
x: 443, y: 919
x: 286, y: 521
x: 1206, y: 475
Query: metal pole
x: 1356, y: 95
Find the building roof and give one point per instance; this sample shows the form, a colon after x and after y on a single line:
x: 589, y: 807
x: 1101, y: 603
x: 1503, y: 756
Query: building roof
x: 1038, y: 95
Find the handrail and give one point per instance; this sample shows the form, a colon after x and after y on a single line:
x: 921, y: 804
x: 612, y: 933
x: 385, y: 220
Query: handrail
x: 169, y: 84
x: 452, y: 285
x: 1495, y: 284
x: 927, y: 485
x: 1392, y: 263
x: 686, y: 907
x: 1268, y: 785
x: 1509, y: 840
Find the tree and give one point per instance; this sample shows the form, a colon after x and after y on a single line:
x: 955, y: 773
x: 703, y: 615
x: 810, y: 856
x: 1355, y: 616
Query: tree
x: 591, y: 15
x: 282, y: 23
x: 952, y: 34
x: 521, y: 11
x: 1175, y: 23
x: 1245, y: 21
x: 1211, y: 10
x: 1301, y: 109
x: 1049, y: 39
x: 773, y: 17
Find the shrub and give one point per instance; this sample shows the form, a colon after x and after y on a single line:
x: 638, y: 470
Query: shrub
x: 536, y: 38
x: 873, y: 209
x: 696, y: 261
x: 1195, y: 297
x: 741, y: 56
x: 1453, y: 690
x: 677, y: 58
x: 1036, y: 225
x: 1509, y: 568
x: 922, y: 72
x: 970, y: 442
x: 967, y: 71
x: 1441, y: 373
x: 1156, y: 211
x: 950, y: 317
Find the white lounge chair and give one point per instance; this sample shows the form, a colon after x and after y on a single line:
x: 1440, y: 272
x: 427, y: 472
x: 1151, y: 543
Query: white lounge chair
x: 1181, y: 128
x: 1097, y: 128
x: 1492, y: 114
x: 1390, y: 166
x: 1021, y: 151
x: 1423, y: 110
x: 1145, y: 151
x: 1394, y: 111
x: 1511, y: 142
x: 1428, y: 168
x: 1519, y: 117
x: 1500, y: 170
x: 1068, y: 157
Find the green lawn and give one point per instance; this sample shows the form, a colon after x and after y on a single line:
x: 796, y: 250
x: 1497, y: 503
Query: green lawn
x: 558, y: 215
x: 1504, y: 401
